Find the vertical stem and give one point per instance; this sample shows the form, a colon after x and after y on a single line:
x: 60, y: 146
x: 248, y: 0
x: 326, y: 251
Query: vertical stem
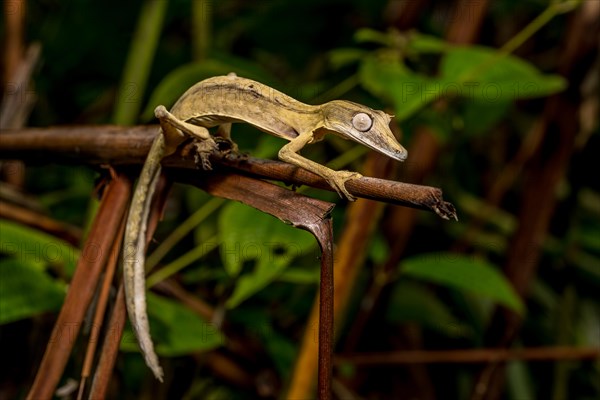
x: 14, y: 18
x: 99, y: 313
x: 92, y: 260
x: 564, y: 326
x: 326, y: 315
x: 139, y: 61
x: 201, y: 27
x: 110, y: 348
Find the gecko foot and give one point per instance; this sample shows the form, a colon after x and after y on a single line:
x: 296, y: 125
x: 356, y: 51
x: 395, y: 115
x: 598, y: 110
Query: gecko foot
x: 338, y: 182
x: 204, y: 148
x: 226, y: 145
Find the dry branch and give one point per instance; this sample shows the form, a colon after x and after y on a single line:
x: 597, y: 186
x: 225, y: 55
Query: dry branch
x: 302, y: 212
x: 129, y: 145
x: 89, y: 266
x: 469, y: 356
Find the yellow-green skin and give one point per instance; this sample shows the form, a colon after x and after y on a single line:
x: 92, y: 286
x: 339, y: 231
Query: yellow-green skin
x: 229, y: 99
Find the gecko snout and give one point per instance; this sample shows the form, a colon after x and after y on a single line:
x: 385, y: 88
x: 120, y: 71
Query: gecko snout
x: 401, y: 155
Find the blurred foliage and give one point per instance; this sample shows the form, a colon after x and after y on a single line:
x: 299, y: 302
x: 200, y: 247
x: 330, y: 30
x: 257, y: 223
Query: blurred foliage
x: 98, y: 69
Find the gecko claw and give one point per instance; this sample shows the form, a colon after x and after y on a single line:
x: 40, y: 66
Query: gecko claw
x: 204, y: 149
x: 226, y: 145
x: 338, y: 182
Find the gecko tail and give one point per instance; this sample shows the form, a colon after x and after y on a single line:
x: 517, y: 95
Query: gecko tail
x: 134, y: 260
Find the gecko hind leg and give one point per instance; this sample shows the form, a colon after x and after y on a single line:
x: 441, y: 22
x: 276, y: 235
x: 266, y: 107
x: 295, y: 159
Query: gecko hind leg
x: 224, y: 132
x: 206, y: 144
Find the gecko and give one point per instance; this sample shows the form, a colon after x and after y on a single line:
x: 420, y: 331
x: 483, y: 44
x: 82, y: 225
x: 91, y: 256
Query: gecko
x: 221, y: 101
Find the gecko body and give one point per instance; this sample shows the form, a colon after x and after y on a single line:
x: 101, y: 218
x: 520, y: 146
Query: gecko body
x: 220, y: 101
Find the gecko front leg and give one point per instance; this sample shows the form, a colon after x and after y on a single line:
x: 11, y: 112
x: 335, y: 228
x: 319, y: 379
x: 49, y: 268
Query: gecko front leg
x: 336, y: 179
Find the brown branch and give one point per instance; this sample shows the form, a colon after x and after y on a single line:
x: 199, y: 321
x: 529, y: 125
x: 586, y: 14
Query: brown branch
x: 129, y: 145
x: 14, y: 22
x: 122, y: 146
x: 301, y: 212
x: 324, y: 234
x: 470, y: 356
x: 89, y: 266
x: 470, y: 15
x: 114, y: 332
x: 361, y: 221
x: 18, y: 97
x: 171, y: 287
x: 101, y: 304
x: 41, y: 222
x: 110, y: 348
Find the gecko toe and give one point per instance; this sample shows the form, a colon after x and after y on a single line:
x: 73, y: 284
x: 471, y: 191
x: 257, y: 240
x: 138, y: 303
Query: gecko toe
x: 160, y: 112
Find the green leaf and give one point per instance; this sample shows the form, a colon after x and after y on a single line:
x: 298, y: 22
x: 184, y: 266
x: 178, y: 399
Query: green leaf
x: 378, y: 249
x: 589, y: 236
x: 259, y: 325
x: 480, y: 116
x: 181, y: 79
x: 175, y: 329
x: 342, y: 57
x: 282, y: 350
x: 408, y: 91
x: 367, y: 35
x: 478, y: 72
x: 519, y: 382
x: 464, y: 273
x: 411, y: 302
x: 421, y: 43
x: 251, y: 236
x: 26, y: 291
x: 300, y: 275
x: 36, y: 248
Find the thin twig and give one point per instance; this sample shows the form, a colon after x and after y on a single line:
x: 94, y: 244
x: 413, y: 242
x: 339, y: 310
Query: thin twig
x: 18, y: 97
x: 470, y: 356
x: 125, y: 146
x: 109, y: 349
x: 109, y: 273
x: 41, y: 222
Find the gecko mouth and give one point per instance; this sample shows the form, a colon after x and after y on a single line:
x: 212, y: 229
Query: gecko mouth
x: 401, y: 155
x: 392, y: 150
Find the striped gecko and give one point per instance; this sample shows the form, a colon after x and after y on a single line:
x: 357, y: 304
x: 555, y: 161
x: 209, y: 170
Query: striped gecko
x: 220, y: 101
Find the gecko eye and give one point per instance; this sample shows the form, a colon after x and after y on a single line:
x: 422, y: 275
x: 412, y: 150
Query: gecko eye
x: 362, y: 122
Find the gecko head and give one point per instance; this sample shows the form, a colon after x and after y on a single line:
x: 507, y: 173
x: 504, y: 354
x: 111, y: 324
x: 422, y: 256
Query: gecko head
x: 363, y: 125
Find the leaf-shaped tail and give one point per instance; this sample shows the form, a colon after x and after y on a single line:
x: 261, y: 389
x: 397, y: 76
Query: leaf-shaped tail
x: 134, y: 274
